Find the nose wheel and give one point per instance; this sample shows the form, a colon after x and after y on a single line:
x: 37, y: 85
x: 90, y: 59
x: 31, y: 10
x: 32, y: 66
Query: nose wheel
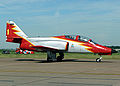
x: 99, y: 59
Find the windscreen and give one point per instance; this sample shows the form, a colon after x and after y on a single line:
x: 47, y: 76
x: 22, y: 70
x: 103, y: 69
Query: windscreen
x: 80, y: 38
x: 83, y: 38
x: 93, y: 41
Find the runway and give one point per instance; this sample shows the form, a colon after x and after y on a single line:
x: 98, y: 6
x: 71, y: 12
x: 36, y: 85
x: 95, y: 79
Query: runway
x: 70, y: 72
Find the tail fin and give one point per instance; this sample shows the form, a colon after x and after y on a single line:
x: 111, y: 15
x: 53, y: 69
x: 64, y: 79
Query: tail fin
x: 14, y: 33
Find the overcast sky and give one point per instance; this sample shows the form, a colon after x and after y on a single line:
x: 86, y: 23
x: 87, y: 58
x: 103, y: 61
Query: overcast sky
x: 96, y: 19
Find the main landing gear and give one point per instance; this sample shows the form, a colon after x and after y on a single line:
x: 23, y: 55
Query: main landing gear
x: 51, y: 56
x: 99, y: 59
x: 60, y: 57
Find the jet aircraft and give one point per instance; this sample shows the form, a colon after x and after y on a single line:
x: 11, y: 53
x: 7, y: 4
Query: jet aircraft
x: 55, y: 44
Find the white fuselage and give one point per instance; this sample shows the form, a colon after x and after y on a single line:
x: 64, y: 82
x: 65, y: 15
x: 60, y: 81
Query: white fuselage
x: 59, y: 44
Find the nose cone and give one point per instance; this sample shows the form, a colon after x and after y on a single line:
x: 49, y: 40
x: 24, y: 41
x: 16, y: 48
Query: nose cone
x: 114, y: 51
x: 103, y: 50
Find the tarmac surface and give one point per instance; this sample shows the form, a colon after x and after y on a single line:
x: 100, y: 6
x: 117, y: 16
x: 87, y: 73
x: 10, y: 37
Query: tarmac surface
x: 70, y: 72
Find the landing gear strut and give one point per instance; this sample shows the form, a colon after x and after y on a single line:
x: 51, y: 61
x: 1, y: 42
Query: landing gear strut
x: 51, y: 56
x: 99, y: 59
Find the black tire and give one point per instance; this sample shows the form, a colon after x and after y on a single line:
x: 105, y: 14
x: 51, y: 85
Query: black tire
x: 59, y: 59
x: 98, y: 60
x: 49, y: 60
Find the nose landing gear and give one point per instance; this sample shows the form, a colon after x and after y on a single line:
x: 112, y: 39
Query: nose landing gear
x: 99, y: 59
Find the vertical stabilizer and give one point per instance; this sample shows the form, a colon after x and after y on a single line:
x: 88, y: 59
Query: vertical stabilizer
x: 14, y: 33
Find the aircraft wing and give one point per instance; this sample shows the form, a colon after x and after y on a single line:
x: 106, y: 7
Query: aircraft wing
x: 51, y: 45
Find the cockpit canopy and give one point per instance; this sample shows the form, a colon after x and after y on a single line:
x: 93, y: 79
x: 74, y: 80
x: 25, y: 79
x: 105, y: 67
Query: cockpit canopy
x: 79, y: 38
